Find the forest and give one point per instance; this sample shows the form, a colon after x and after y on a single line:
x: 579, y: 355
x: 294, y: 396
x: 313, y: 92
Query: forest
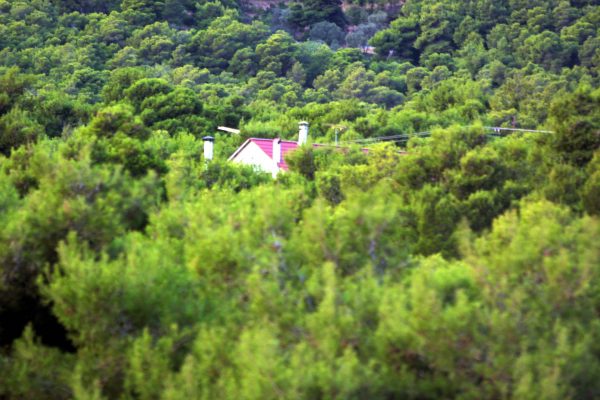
x: 454, y: 261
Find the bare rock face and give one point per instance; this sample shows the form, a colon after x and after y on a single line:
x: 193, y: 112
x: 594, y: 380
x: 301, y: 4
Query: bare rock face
x: 263, y: 4
x: 391, y: 6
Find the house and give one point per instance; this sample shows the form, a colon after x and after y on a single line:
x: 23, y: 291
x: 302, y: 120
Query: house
x: 269, y: 154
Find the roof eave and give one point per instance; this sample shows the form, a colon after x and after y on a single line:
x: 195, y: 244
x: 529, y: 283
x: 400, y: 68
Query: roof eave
x: 239, y: 149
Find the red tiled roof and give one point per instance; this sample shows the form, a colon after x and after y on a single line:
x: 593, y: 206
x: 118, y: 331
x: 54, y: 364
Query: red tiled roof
x: 287, y: 146
x: 266, y: 145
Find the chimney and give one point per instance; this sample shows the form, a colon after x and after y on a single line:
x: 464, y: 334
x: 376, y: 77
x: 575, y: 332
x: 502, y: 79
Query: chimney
x: 208, y: 147
x: 277, y: 150
x: 303, y: 133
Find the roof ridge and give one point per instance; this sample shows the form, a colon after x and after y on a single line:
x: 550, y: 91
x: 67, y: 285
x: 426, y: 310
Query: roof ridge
x: 283, y: 140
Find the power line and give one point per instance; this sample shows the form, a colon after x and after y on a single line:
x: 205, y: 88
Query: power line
x: 499, y: 129
x: 404, y: 137
x: 389, y: 138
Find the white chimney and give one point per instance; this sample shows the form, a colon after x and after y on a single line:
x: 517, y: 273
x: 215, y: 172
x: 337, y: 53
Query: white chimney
x: 277, y: 150
x: 303, y: 133
x: 209, y: 143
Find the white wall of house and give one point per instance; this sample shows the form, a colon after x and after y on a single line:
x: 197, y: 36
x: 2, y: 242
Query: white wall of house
x: 253, y: 155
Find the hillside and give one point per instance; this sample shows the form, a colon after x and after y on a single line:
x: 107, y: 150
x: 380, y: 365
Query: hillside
x: 434, y: 238
x: 263, y: 4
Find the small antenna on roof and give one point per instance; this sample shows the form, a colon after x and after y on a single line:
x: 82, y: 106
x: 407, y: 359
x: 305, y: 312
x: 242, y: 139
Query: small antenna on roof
x: 337, y: 129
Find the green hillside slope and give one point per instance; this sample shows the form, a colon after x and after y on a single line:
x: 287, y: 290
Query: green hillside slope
x: 446, y: 248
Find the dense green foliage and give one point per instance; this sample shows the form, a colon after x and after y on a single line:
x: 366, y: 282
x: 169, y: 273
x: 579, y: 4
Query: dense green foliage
x: 466, y: 266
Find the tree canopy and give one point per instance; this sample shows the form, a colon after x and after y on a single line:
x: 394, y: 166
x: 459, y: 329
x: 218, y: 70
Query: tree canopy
x: 436, y: 238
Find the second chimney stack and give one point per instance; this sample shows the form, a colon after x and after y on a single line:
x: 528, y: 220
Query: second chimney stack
x: 303, y: 133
